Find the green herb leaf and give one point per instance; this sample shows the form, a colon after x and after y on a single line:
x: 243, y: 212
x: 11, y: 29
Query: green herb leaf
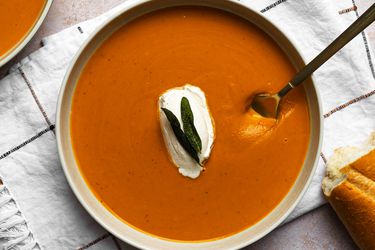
x: 180, y: 135
x: 188, y: 125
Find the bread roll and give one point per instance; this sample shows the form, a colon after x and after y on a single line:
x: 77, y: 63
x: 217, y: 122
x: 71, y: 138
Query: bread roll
x: 349, y: 186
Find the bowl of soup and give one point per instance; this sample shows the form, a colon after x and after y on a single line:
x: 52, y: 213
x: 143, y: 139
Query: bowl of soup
x: 110, y: 138
x: 19, y: 21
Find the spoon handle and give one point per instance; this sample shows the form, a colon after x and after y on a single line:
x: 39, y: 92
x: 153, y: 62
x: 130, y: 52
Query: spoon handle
x: 353, y: 30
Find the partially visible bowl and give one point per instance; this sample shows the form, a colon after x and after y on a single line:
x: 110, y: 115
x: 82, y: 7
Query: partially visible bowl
x: 109, y: 220
x: 29, y: 35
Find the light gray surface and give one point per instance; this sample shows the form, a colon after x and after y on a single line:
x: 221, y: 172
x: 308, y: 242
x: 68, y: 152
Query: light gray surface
x: 319, y: 229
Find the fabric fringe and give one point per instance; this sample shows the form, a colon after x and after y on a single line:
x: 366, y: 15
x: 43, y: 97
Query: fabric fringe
x: 14, y: 232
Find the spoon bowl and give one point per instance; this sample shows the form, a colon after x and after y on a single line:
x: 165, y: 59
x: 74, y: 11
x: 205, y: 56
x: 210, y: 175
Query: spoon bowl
x: 266, y: 104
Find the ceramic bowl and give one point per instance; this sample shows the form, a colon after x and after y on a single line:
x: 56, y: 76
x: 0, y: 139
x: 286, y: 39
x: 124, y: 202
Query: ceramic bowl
x: 128, y: 233
x: 18, y: 47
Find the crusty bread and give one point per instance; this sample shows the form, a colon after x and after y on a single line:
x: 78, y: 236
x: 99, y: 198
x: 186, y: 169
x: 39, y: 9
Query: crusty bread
x: 349, y: 186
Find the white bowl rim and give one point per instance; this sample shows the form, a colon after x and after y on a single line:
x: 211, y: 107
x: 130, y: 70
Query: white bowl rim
x: 142, y: 245
x: 25, y: 40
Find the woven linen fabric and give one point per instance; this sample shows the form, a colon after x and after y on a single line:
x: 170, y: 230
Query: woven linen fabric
x: 37, y: 207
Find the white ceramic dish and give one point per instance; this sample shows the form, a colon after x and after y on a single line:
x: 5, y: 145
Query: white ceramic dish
x: 18, y: 47
x: 110, y: 221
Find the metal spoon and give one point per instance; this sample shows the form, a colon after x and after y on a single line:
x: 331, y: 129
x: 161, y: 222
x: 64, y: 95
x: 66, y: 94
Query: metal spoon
x: 267, y: 105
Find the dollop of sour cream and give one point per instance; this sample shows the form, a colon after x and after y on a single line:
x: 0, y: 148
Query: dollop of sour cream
x: 203, y: 122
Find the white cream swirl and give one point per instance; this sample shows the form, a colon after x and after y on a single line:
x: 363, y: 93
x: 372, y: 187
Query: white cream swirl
x: 203, y: 122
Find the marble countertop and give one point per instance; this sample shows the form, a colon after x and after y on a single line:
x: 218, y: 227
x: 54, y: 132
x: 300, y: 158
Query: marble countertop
x: 319, y: 229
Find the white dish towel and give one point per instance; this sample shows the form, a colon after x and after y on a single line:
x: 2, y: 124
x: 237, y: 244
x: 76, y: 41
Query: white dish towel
x: 37, y: 207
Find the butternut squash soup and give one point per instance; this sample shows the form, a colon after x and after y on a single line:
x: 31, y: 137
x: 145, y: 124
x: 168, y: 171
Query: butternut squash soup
x: 17, y: 18
x: 117, y: 137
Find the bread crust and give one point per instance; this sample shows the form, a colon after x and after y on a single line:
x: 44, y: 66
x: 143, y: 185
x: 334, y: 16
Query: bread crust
x: 353, y: 199
x: 366, y: 165
x: 356, y: 212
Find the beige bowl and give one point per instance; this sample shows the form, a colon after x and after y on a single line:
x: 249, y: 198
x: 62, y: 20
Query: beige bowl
x: 110, y: 221
x: 26, y: 39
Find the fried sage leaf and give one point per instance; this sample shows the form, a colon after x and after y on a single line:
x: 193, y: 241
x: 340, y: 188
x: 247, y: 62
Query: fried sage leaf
x: 180, y: 135
x: 188, y: 125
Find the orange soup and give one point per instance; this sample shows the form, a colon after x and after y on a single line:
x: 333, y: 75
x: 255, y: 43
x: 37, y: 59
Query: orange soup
x: 17, y: 17
x: 117, y: 138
